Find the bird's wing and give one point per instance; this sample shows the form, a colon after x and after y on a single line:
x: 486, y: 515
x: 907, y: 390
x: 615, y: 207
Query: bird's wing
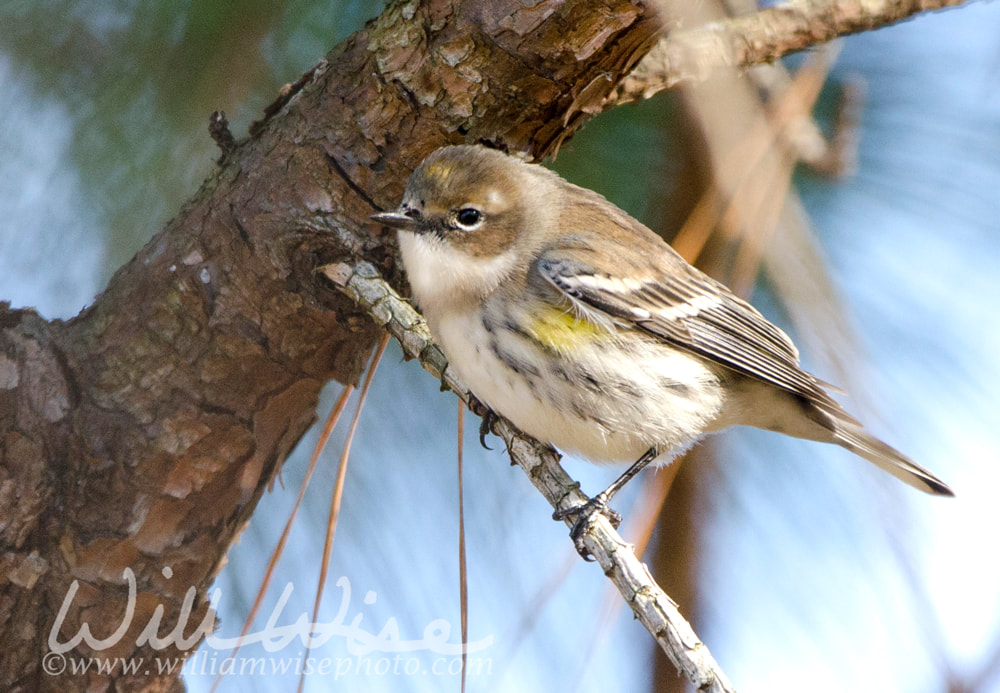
x: 666, y: 297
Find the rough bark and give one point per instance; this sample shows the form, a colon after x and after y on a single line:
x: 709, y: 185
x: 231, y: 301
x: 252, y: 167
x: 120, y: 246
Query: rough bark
x: 140, y: 434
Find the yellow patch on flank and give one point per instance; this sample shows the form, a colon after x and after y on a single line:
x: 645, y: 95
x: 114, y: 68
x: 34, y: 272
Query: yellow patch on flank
x: 561, y: 330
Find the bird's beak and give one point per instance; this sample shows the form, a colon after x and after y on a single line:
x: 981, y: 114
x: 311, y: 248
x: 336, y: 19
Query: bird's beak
x: 398, y: 219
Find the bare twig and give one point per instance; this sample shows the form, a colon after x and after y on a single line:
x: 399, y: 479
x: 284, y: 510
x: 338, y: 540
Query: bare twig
x: 657, y: 612
x: 218, y: 128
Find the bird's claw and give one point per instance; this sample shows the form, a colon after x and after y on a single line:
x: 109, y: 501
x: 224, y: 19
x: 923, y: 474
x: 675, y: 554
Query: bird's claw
x: 486, y: 425
x: 586, y: 514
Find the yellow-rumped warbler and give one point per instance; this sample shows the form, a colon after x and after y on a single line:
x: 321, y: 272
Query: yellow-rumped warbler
x: 586, y: 330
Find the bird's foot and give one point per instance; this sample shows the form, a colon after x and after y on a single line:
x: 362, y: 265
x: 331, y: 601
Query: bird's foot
x: 489, y: 416
x: 586, y: 514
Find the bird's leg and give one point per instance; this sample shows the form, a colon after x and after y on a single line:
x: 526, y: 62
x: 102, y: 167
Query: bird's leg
x: 598, y: 505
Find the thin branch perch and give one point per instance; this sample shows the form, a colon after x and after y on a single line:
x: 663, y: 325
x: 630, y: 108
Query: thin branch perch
x: 657, y: 612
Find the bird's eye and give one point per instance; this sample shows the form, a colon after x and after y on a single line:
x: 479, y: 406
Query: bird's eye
x: 469, y: 219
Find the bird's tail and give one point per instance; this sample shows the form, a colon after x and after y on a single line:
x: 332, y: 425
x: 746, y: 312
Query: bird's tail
x: 851, y: 436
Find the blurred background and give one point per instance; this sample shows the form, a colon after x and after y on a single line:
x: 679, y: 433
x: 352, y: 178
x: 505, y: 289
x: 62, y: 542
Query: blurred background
x: 798, y: 565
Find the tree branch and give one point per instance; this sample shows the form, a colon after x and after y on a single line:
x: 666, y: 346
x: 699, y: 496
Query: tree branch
x: 655, y: 610
x: 692, y: 55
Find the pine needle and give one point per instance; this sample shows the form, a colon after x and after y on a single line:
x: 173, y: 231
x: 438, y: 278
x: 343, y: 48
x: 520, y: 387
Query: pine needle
x: 463, y: 584
x: 338, y: 491
x: 324, y: 436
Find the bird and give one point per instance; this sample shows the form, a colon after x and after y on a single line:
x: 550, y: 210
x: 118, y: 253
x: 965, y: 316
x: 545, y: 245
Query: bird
x: 587, y: 331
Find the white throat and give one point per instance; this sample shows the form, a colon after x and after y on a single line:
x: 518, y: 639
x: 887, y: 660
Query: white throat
x: 442, y: 277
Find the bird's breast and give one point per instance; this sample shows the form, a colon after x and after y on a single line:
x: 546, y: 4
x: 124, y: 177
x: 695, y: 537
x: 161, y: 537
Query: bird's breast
x: 604, y: 396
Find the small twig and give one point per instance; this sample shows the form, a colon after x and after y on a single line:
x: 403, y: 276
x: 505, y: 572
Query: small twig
x: 218, y: 128
x: 657, y: 612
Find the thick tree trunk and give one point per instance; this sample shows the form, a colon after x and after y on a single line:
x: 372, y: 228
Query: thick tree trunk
x: 136, y: 439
